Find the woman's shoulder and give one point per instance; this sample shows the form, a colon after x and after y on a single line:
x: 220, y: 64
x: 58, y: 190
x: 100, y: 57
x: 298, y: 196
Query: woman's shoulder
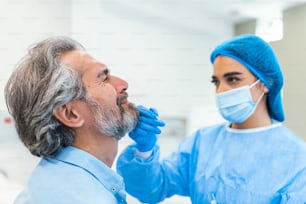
x: 206, y: 133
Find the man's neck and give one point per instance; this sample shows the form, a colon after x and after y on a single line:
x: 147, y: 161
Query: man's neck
x: 104, y: 148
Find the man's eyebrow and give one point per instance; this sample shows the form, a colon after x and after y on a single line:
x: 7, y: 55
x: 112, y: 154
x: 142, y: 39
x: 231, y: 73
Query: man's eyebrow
x: 106, y: 71
x: 103, y: 72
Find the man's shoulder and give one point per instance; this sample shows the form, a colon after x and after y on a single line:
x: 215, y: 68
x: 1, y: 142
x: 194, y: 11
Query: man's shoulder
x: 57, y: 180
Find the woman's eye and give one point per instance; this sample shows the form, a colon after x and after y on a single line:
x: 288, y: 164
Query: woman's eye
x: 214, y: 81
x: 232, y: 79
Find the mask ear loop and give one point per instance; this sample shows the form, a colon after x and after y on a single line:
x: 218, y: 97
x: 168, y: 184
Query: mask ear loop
x: 260, y: 97
x: 256, y: 82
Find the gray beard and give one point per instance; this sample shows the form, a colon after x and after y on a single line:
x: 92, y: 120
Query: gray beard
x: 114, y: 121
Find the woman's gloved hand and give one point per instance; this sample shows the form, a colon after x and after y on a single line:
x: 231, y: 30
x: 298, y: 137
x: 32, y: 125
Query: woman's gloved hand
x: 144, y: 134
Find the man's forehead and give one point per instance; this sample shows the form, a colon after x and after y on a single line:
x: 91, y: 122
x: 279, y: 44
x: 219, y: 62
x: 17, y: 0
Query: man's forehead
x: 74, y: 58
x: 80, y: 60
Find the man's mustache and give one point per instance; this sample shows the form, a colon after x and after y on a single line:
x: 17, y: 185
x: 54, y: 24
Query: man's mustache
x: 122, y: 98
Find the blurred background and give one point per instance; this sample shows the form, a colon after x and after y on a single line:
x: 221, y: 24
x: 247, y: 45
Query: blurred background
x: 162, y: 48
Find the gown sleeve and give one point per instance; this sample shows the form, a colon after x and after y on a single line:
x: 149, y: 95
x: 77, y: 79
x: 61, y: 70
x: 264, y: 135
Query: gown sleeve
x: 152, y: 180
x: 295, y: 191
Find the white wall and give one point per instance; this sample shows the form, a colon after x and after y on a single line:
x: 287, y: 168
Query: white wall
x: 16, y: 163
x: 291, y: 51
x: 164, y: 58
x: 161, y: 49
x: 24, y: 22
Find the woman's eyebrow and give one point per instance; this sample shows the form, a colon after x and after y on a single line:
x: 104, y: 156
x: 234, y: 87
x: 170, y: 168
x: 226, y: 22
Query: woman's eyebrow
x: 231, y: 74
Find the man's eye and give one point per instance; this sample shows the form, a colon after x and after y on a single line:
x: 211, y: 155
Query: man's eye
x: 105, y: 79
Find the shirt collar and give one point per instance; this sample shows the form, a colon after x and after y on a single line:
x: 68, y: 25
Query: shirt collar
x: 105, y: 175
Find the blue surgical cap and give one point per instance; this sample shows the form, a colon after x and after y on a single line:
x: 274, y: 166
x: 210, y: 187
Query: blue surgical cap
x: 259, y: 58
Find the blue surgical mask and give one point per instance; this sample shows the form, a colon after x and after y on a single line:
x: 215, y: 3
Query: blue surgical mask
x: 237, y: 105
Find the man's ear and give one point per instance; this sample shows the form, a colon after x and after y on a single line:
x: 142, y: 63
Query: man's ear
x: 69, y: 116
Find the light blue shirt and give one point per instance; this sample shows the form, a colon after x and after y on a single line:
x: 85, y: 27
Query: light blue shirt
x: 72, y: 176
x: 223, y: 165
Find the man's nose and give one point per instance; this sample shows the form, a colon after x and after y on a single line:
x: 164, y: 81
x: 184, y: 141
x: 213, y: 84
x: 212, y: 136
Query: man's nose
x: 119, y: 84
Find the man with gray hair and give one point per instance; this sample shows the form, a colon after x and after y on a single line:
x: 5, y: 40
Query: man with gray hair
x: 69, y: 110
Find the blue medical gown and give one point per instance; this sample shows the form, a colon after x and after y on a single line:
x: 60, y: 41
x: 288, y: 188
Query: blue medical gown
x: 224, y: 165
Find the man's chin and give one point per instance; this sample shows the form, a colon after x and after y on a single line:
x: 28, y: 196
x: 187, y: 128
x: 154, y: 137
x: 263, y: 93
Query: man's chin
x: 122, y: 136
x: 129, y: 107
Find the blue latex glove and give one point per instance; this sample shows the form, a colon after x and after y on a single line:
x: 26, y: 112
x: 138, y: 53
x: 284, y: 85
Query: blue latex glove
x: 144, y: 134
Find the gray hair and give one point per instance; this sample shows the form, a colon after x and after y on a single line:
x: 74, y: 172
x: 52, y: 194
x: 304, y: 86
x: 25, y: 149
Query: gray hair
x: 39, y: 84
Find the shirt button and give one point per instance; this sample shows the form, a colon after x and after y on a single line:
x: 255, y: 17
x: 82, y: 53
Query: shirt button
x: 113, y: 189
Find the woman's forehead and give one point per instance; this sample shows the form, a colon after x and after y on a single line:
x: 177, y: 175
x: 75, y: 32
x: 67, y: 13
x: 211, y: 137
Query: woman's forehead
x: 224, y: 64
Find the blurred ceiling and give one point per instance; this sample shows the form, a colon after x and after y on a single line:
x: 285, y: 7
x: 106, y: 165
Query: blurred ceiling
x: 197, y: 15
x: 240, y: 10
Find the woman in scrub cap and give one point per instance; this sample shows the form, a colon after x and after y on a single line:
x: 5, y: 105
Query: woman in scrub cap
x: 251, y: 158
